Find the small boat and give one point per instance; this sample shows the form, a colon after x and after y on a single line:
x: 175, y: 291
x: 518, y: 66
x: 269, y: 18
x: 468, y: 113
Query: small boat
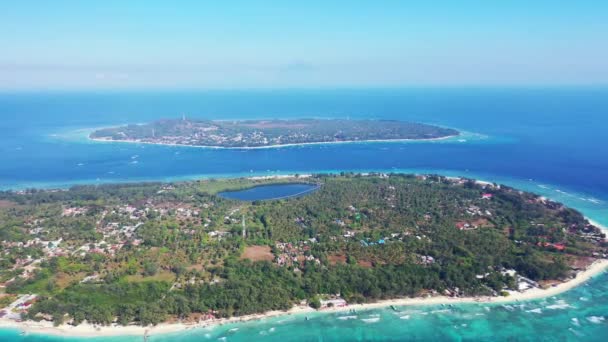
x: 307, y: 318
x: 394, y: 308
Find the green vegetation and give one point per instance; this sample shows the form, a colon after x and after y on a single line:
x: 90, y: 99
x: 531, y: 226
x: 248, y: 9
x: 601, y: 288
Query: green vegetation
x: 6, y: 300
x: 148, y: 252
x: 258, y: 133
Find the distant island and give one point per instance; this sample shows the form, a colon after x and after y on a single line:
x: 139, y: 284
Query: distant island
x: 161, y: 253
x: 266, y: 133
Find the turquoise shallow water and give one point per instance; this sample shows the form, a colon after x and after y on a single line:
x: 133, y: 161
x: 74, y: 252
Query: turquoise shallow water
x: 572, y: 316
x: 548, y: 141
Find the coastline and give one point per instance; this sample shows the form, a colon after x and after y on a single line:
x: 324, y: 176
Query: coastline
x: 597, y: 224
x: 274, y: 146
x: 89, y: 330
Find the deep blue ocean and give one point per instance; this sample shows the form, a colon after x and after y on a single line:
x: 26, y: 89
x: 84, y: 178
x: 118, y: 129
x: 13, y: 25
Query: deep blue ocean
x: 552, y: 141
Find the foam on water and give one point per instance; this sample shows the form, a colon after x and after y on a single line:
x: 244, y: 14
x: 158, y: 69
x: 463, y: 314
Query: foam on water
x: 515, y: 146
x: 371, y: 320
x: 537, y: 310
x: 596, y: 319
x: 560, y: 304
x: 576, y: 322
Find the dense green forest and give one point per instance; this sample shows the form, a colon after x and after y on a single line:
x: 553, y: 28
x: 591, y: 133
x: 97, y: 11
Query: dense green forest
x: 150, y: 252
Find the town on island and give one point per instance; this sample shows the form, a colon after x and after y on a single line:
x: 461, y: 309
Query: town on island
x: 152, y: 257
x: 269, y: 133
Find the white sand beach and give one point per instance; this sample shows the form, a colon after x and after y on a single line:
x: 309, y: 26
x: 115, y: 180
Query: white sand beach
x: 89, y: 330
x: 273, y: 146
x: 597, y: 224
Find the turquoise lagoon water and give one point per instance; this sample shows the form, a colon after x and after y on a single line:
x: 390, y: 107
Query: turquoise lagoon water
x: 548, y: 141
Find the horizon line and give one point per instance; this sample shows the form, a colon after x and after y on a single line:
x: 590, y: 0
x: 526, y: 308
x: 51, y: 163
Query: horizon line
x: 304, y: 88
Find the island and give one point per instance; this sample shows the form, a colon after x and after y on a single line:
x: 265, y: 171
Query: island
x: 268, y: 133
x: 178, y: 254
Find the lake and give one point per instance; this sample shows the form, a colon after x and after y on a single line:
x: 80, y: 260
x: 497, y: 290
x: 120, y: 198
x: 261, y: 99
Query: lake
x: 270, y: 192
x: 551, y: 141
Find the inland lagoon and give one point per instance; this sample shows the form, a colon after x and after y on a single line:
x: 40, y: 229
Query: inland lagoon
x: 270, y: 192
x: 512, y: 144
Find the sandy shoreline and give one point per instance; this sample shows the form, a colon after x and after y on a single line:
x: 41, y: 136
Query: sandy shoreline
x: 599, y: 225
x: 88, y: 330
x: 271, y: 146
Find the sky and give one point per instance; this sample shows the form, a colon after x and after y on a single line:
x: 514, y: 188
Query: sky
x: 227, y: 44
